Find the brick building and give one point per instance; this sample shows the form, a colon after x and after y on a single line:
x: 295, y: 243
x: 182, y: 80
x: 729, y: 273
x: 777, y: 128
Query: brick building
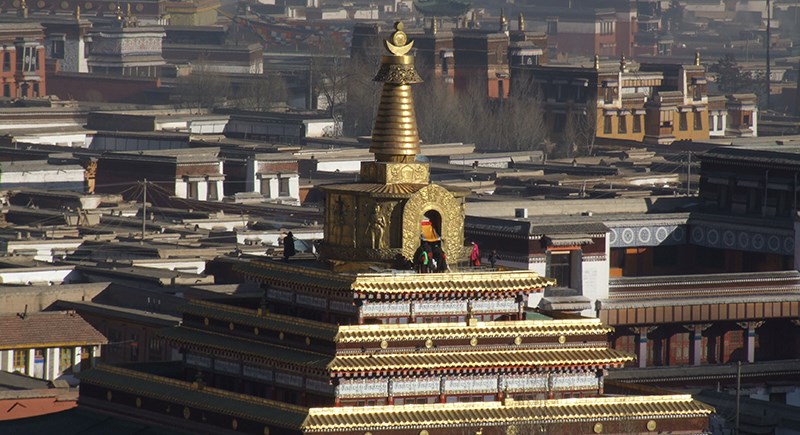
x: 22, y: 66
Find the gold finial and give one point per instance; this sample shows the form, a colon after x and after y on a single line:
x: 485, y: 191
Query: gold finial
x: 596, y: 62
x: 398, y: 44
x: 394, y: 136
x: 119, y: 12
x: 23, y: 9
x: 502, y: 16
x: 697, y: 57
x: 77, y: 12
x: 434, y: 26
x: 623, y: 64
x: 521, y: 22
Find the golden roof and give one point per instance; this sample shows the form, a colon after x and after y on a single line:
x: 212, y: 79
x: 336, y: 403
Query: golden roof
x: 595, y: 409
x: 291, y: 275
x: 335, y: 419
x: 454, y: 331
x: 494, y: 358
x: 463, y: 358
x: 455, y: 282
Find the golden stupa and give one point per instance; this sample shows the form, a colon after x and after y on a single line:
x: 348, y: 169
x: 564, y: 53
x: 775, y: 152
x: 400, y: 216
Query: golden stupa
x: 381, y: 218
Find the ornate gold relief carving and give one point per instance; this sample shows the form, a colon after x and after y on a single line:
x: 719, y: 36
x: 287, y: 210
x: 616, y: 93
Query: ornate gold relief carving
x: 436, y: 198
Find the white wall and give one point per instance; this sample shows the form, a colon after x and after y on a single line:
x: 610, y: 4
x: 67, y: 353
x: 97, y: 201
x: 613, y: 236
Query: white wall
x: 18, y: 276
x: 66, y: 178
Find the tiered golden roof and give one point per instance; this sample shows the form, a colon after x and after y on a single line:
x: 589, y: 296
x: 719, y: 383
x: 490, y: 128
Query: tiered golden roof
x: 455, y: 331
x: 506, y: 281
x: 405, y: 417
x: 597, y: 409
x: 283, y: 275
x: 449, y: 359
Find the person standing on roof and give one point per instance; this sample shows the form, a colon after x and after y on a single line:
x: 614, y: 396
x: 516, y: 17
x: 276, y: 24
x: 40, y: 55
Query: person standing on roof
x: 288, y: 246
x: 475, y: 256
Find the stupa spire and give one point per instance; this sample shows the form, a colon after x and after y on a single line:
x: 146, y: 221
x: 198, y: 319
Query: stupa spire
x: 394, y: 136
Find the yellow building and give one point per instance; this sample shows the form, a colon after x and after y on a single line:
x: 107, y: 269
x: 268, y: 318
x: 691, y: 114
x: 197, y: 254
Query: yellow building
x: 650, y: 103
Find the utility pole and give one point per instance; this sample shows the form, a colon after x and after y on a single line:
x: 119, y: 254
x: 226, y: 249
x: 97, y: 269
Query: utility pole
x: 689, y: 175
x: 738, y: 394
x: 769, y: 43
x: 144, y: 209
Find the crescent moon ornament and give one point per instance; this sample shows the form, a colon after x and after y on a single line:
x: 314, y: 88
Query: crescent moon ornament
x: 398, y: 44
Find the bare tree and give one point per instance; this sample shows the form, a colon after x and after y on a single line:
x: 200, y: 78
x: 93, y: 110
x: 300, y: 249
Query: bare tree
x: 330, y: 72
x: 363, y: 94
x: 261, y: 93
x: 440, y: 114
x: 203, y: 88
x: 580, y: 129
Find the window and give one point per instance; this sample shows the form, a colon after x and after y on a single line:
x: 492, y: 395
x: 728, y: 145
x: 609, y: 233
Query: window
x: 7, y: 90
x: 57, y: 49
x: 608, y: 95
x: 560, y: 269
x: 155, y: 345
x: 637, y: 123
x: 683, y: 123
x: 719, y: 123
x: 65, y: 358
x: 580, y: 95
x: 622, y: 124
x: 552, y: 27
x: 192, y: 190
x: 665, y: 256
x: 606, y: 27
x: 665, y: 119
x: 36, y: 89
x: 746, y: 120
x: 711, y: 122
x: 698, y: 121
x: 213, y: 195
x: 6, y: 61
x: 559, y: 122
x: 607, y: 124
x: 283, y: 186
x: 697, y: 93
x: 134, y: 346
x: 265, y: 187
x: 21, y: 360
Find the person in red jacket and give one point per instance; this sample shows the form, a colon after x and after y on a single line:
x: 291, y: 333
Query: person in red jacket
x: 475, y: 256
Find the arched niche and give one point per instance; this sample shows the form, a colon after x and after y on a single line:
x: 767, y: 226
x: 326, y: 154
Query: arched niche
x: 436, y: 201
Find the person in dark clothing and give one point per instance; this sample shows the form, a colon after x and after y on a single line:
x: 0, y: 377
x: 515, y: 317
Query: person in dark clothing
x: 419, y: 259
x: 288, y: 246
x: 440, y: 259
x: 493, y: 257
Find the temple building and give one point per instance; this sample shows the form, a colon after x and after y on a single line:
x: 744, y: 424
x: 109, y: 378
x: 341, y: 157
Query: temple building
x: 356, y: 343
